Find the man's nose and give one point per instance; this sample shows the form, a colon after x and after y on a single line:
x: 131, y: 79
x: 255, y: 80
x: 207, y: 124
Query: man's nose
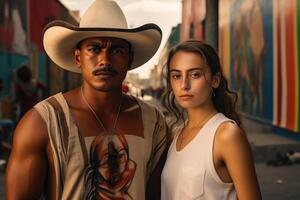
x: 104, y: 58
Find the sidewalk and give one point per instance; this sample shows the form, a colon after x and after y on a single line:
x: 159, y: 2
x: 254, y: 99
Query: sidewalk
x: 264, y: 143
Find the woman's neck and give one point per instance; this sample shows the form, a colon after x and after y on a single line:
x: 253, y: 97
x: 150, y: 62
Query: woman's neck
x: 200, y: 115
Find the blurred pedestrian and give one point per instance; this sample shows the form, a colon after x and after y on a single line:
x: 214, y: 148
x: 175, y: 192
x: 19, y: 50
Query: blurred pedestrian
x: 28, y: 91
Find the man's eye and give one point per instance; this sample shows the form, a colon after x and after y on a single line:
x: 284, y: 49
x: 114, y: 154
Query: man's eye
x: 94, y: 49
x: 118, y: 51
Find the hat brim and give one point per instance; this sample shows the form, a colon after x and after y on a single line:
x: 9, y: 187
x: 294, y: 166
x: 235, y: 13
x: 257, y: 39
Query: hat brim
x: 61, y: 38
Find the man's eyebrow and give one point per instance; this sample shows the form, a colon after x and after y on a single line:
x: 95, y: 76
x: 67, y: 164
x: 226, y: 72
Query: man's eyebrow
x: 119, y: 46
x: 91, y: 43
x: 100, y: 44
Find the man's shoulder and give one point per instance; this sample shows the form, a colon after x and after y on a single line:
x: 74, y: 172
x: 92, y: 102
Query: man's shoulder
x: 46, y: 101
x: 46, y: 106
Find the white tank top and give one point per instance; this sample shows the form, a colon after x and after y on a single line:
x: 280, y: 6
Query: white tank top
x: 190, y: 173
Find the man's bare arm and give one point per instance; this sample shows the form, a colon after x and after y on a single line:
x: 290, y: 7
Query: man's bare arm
x: 27, y: 165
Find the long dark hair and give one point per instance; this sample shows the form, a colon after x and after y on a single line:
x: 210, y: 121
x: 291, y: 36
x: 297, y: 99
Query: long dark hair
x: 224, y: 100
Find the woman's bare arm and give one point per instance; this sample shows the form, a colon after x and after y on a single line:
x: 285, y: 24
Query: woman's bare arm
x: 237, y: 156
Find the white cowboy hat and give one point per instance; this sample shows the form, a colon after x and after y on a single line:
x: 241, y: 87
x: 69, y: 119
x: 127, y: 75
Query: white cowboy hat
x: 104, y: 18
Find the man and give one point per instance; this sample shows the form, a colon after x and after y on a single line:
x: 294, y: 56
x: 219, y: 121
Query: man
x: 93, y: 142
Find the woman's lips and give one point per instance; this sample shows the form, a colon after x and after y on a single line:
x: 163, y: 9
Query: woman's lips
x: 185, y: 97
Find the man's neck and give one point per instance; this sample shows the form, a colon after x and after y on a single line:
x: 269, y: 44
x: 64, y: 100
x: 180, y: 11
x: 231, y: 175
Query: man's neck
x: 101, y: 101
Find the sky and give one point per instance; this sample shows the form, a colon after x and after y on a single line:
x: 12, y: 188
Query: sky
x: 164, y: 13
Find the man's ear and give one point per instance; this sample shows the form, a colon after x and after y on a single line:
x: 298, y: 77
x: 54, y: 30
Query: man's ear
x: 216, y: 80
x: 76, y: 56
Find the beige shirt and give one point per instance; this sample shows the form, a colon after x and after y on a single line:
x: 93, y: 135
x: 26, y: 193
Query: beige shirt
x: 106, y: 166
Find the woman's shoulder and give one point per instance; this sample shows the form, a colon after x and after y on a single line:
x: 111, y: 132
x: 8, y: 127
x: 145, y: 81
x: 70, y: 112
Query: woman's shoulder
x: 231, y: 141
x: 229, y: 132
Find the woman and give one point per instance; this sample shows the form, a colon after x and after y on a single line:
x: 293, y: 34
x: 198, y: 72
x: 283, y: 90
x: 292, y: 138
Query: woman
x: 209, y: 157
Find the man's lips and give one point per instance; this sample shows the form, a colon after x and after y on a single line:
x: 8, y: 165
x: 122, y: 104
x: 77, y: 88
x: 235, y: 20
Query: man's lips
x: 106, y: 71
x: 101, y: 73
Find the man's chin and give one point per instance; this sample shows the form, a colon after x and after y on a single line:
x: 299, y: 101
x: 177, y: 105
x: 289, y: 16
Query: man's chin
x: 107, y: 88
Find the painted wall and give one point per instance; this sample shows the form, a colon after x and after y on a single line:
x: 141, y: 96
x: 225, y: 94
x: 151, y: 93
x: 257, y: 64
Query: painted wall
x: 258, y: 45
x: 21, y: 26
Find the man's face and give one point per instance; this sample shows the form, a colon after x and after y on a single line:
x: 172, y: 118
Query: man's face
x: 104, y: 62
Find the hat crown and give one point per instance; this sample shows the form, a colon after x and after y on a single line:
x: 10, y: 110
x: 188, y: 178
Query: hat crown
x: 103, y: 14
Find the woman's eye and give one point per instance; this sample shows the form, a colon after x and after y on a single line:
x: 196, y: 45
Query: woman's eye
x: 196, y: 74
x: 175, y: 76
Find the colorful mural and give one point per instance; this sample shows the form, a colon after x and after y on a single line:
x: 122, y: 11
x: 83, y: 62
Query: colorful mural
x: 259, y: 51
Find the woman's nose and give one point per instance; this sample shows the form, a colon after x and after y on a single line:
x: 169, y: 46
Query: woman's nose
x: 185, y: 84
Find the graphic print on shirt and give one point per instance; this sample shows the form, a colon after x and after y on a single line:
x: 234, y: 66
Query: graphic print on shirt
x: 110, y: 170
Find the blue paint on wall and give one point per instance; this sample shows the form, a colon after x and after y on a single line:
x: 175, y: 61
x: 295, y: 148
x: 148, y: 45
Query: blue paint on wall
x: 267, y: 10
x: 9, y: 62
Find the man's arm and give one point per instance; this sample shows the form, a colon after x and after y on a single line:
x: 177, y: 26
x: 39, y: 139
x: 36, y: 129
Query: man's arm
x: 27, y: 166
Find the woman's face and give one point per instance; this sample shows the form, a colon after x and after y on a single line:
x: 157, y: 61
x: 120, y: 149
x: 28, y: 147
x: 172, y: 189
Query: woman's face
x: 190, y: 79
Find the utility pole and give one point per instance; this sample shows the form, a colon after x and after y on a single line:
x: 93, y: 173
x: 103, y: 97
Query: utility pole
x: 211, y: 23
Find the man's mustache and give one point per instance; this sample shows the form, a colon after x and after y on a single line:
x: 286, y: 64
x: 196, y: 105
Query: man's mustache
x: 104, y: 69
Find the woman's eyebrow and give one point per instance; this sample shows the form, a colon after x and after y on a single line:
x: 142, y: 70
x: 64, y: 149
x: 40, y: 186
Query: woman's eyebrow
x: 192, y: 69
x: 175, y: 70
x: 196, y: 68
